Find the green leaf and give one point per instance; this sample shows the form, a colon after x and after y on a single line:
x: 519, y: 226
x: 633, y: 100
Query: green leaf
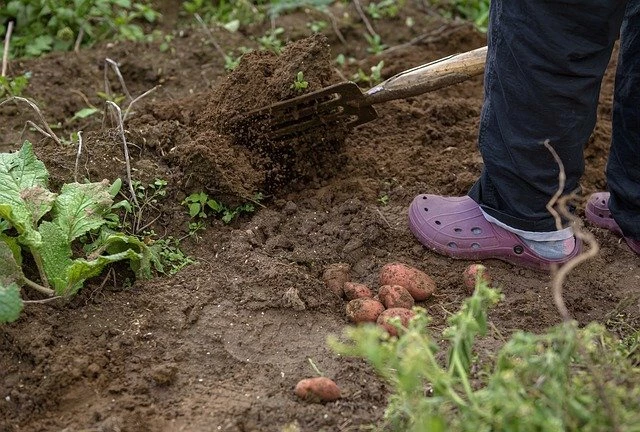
x: 10, y: 302
x: 85, y: 112
x: 194, y: 209
x: 23, y: 182
x: 82, y: 270
x: 81, y: 207
x: 10, y: 271
x: 56, y: 255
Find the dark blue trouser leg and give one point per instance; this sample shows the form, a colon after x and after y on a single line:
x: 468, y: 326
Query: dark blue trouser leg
x: 544, y: 67
x: 623, y: 169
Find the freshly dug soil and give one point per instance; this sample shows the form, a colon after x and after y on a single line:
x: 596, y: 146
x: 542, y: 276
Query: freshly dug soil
x: 222, y: 344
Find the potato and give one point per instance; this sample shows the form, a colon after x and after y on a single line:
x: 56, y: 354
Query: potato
x: 419, y: 284
x: 354, y: 290
x: 335, y: 276
x: 395, y: 296
x: 405, y: 316
x: 469, y: 276
x: 318, y: 389
x: 364, y: 310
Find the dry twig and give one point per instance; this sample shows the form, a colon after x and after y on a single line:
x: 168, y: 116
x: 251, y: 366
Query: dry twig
x: 5, y: 52
x: 49, y: 133
x: 79, y: 152
x: 125, y: 147
x: 116, y: 69
x: 364, y: 18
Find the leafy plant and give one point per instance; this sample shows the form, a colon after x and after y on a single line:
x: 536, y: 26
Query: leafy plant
x: 200, y: 206
x: 299, y: 84
x: 384, y: 8
x: 372, y: 79
x: 375, y: 44
x: 476, y: 11
x: 566, y: 379
x: 168, y: 256
x: 317, y: 26
x: 13, y: 86
x: 271, y: 41
x: 235, y: 12
x: 77, y: 210
x: 57, y: 25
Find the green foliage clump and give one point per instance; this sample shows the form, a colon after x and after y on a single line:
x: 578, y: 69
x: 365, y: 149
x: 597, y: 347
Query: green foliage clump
x: 57, y: 25
x: 476, y: 11
x: 13, y: 86
x: 200, y: 206
x: 566, y: 379
x: 48, y: 226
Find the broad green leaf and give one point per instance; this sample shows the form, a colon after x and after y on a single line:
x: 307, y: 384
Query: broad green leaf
x: 10, y: 302
x: 85, y: 112
x: 114, y: 243
x: 81, y: 207
x: 82, y: 270
x: 23, y: 182
x: 56, y: 255
x: 10, y: 271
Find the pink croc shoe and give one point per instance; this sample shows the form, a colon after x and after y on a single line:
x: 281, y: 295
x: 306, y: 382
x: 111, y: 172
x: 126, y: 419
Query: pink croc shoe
x: 456, y: 227
x: 597, y: 212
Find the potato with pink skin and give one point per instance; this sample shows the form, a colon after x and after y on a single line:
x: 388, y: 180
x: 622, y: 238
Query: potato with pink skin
x: 354, y: 290
x: 363, y: 310
x: 395, y: 296
x: 318, y: 389
x: 471, y: 273
x: 405, y: 316
x: 335, y: 276
x: 418, y: 283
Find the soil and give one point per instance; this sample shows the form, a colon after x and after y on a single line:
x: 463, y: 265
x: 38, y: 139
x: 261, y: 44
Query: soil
x: 221, y: 344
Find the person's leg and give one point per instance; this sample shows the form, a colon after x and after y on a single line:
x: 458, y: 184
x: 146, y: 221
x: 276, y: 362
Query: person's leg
x: 544, y: 68
x: 623, y: 168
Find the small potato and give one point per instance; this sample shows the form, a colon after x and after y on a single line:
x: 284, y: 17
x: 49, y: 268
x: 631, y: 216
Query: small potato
x: 418, y: 283
x: 364, y: 310
x: 395, y: 296
x: 470, y: 274
x: 318, y: 389
x: 335, y: 276
x: 405, y: 316
x: 354, y: 290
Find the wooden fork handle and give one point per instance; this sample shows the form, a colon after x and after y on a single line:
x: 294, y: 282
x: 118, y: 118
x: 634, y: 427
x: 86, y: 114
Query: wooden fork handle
x: 428, y: 77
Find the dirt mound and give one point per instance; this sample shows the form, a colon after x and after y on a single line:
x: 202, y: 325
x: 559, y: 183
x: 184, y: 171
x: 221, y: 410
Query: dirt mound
x: 201, y: 133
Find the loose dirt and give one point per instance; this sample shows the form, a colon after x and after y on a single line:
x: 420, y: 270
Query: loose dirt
x: 221, y: 344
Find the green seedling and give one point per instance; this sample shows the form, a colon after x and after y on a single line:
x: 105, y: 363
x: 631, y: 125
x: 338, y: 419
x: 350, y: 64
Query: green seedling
x: 45, y: 225
x: 201, y: 206
x: 384, y: 9
x: 14, y: 86
x: 375, y: 44
x: 299, y: 84
x: 271, y: 41
x: 375, y: 77
x: 317, y: 26
x: 384, y: 200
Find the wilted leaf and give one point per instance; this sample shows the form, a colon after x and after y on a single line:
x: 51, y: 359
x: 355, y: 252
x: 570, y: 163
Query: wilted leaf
x: 10, y: 271
x: 82, y: 270
x: 81, y: 207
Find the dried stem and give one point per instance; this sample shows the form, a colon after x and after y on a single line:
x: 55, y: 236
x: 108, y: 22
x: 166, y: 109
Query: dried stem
x: 143, y: 95
x: 38, y: 287
x: 50, y: 133
x: 126, y: 150
x: 75, y: 167
x: 334, y: 26
x: 213, y: 39
x: 364, y: 18
x: 116, y: 69
x: 47, y: 300
x: 5, y: 52
x: 76, y: 46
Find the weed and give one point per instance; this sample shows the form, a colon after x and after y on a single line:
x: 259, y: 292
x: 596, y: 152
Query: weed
x: 476, y: 11
x: 59, y: 25
x: 384, y: 200
x: 232, y: 13
x: 13, y: 86
x: 299, y: 84
x: 375, y: 44
x: 317, y: 26
x: 200, y: 206
x: 168, y: 258
x: 271, y: 41
x: 375, y: 77
x: 384, y: 9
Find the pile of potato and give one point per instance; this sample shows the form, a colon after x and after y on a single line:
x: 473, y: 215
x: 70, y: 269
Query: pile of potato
x: 400, y: 286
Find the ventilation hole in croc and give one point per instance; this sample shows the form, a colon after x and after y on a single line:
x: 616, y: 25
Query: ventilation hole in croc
x: 452, y: 245
x: 424, y: 197
x: 438, y: 223
x: 457, y: 230
x: 475, y: 246
x: 518, y: 249
x: 600, y: 215
x: 476, y: 230
x: 603, y: 202
x: 426, y: 209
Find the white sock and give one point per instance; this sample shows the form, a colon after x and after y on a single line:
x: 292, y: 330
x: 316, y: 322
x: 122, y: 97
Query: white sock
x: 549, y: 244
